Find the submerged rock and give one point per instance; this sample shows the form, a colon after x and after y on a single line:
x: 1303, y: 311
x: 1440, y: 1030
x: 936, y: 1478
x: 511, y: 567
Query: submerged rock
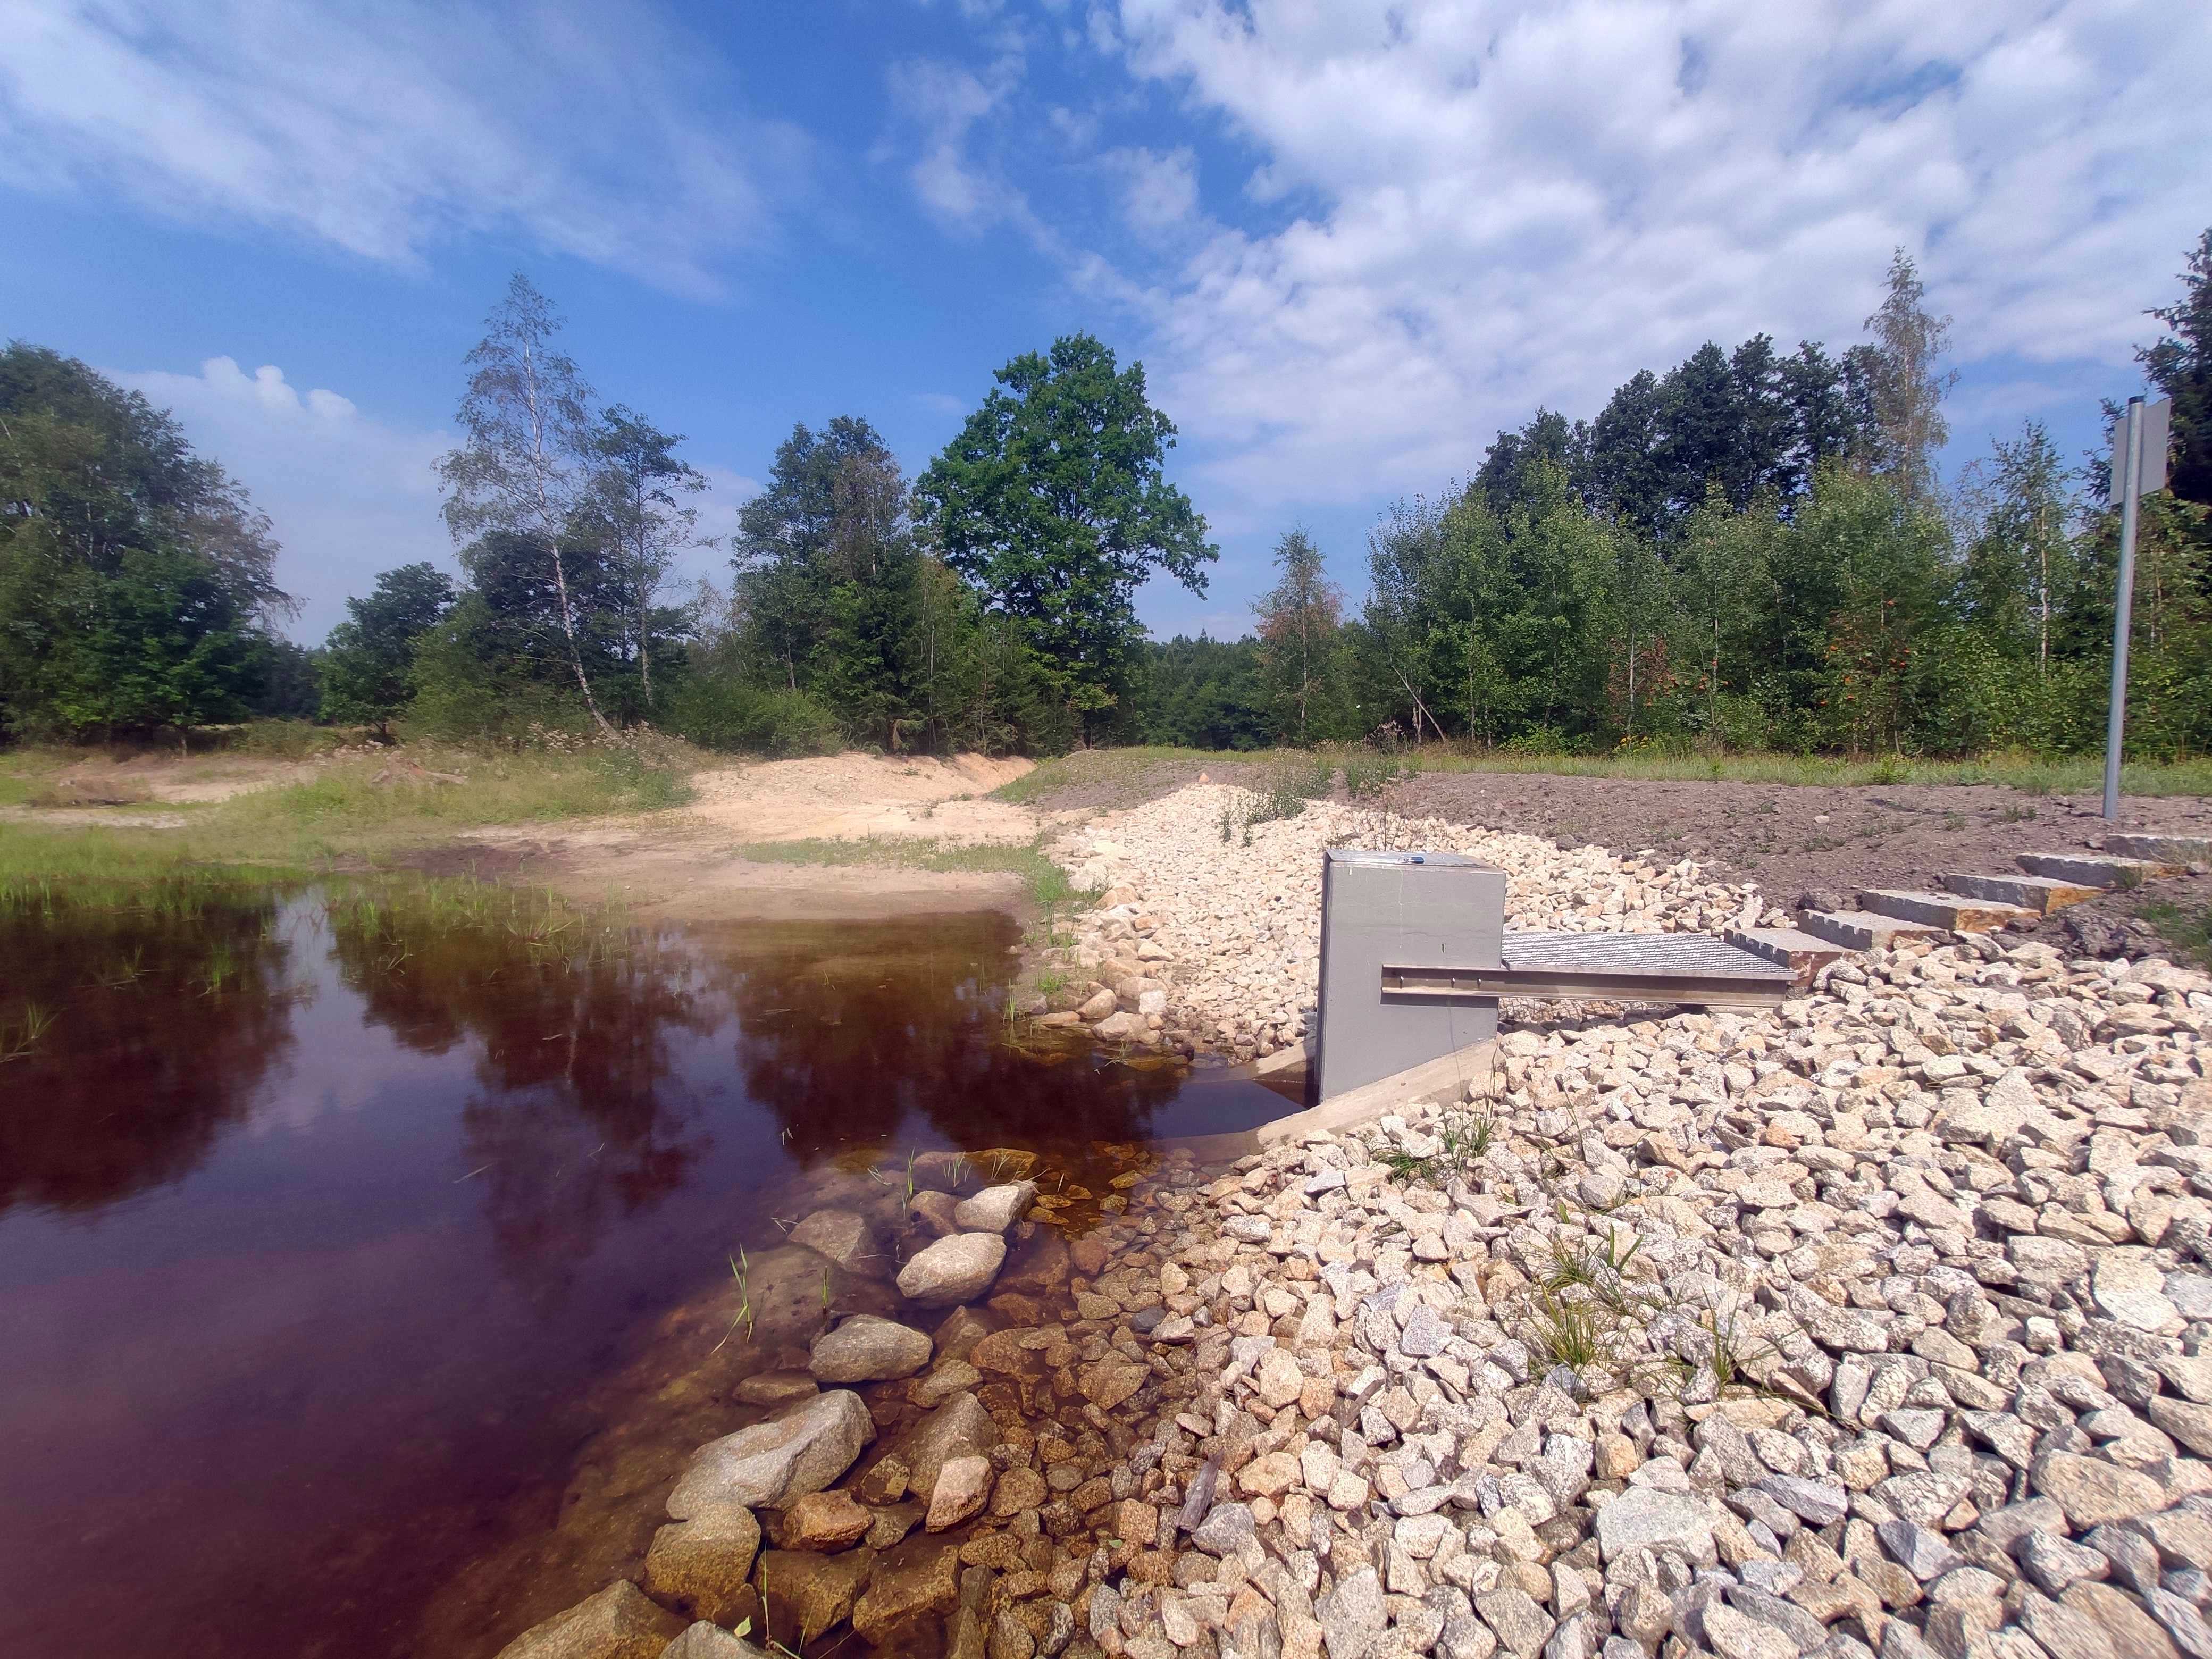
x: 773, y: 1462
x: 845, y: 1238
x: 774, y: 1389
x: 620, y: 1622
x: 958, y: 1428
x: 921, y: 1576
x: 866, y: 1349
x: 824, y: 1522
x: 995, y: 1209
x: 808, y: 1593
x: 957, y: 1268
x: 705, y: 1565
x: 964, y: 1487
x: 707, y: 1641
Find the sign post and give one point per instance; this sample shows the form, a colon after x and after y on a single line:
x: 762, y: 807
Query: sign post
x: 2138, y: 468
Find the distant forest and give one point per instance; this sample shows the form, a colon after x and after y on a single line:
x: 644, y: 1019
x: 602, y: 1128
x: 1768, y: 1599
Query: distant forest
x: 1750, y: 550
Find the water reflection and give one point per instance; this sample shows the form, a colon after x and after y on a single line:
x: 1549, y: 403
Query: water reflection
x: 869, y: 1045
x: 325, y: 1218
x: 165, y: 1018
x: 577, y: 1118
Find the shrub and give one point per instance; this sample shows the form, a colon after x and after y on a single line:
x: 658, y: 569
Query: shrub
x: 715, y: 714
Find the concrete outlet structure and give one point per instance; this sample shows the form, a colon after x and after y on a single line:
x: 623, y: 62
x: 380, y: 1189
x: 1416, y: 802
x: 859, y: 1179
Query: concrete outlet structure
x: 1410, y: 909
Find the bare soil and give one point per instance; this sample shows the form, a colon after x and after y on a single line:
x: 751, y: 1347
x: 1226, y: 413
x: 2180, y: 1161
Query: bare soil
x: 689, y: 864
x: 1803, y: 843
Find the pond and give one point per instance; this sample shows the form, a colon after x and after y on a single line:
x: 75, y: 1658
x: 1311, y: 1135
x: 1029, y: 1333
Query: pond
x: 336, y: 1225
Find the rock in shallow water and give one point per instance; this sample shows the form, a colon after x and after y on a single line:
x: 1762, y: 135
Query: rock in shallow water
x: 706, y: 1641
x: 620, y: 1622
x: 845, y: 1238
x: 866, y: 1349
x: 704, y: 1565
x: 823, y: 1521
x: 958, y: 1428
x: 964, y: 1487
x: 995, y: 1209
x: 954, y: 1269
x: 808, y: 1593
x: 771, y: 1463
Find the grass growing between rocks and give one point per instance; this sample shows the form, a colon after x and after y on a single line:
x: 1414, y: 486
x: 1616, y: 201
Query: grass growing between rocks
x: 2188, y: 929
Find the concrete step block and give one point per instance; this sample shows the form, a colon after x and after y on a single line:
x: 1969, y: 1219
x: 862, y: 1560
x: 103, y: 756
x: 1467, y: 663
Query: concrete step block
x: 2096, y: 870
x: 1856, y: 930
x: 1953, y: 911
x: 2038, y: 893
x: 1803, y: 954
x: 2162, y: 849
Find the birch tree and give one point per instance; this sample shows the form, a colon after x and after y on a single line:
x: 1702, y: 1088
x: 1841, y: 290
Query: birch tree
x: 526, y: 465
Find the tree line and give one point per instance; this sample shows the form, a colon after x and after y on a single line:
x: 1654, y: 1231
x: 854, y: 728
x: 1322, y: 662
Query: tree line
x: 1751, y: 550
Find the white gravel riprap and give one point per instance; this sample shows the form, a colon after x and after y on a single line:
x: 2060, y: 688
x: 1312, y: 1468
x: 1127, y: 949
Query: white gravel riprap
x: 1879, y: 1324
x: 1217, y: 943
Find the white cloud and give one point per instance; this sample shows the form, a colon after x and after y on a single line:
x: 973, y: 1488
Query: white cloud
x: 1514, y: 203
x: 384, y: 132
x: 348, y: 495
x: 1159, y: 190
x: 945, y: 100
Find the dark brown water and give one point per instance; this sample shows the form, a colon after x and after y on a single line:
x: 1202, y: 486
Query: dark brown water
x: 321, y: 1220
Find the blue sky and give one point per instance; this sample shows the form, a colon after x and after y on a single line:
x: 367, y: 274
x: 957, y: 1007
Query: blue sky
x: 1347, y: 240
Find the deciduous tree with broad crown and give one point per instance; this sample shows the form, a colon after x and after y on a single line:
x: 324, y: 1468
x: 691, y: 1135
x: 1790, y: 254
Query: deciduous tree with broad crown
x: 1052, y: 499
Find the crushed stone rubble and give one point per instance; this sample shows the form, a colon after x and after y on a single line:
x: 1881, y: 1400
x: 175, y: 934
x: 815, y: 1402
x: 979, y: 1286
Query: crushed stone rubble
x: 1206, y: 942
x: 1877, y: 1324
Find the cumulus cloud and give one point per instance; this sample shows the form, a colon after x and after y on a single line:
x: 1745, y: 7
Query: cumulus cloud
x: 598, y: 133
x: 944, y: 101
x: 348, y: 495
x: 1460, y: 210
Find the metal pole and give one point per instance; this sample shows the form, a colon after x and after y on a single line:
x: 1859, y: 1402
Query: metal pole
x: 2130, y: 471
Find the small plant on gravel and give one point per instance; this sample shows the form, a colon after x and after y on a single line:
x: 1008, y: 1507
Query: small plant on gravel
x: 1406, y: 1166
x: 1566, y: 1329
x: 1466, y: 1138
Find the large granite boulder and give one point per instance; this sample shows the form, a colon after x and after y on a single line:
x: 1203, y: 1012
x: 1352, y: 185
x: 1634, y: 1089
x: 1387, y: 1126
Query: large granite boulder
x: 799, y: 1451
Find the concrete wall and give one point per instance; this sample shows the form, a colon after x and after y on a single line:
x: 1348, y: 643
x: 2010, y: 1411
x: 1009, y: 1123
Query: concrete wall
x: 1401, y: 908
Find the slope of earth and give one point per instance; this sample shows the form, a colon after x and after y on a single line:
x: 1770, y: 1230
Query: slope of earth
x: 1792, y: 839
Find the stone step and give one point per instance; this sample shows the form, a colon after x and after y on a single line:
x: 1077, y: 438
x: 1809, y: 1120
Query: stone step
x: 2038, y: 893
x: 1803, y: 954
x: 2162, y: 849
x: 1953, y: 911
x: 2092, y: 869
x: 1854, y: 930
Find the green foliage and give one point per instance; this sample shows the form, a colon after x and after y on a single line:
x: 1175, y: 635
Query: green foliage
x: 369, y: 660
x: 1302, y: 647
x: 135, y: 576
x: 1052, y: 500
x: 1203, y: 694
x: 836, y: 608
x: 719, y: 712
